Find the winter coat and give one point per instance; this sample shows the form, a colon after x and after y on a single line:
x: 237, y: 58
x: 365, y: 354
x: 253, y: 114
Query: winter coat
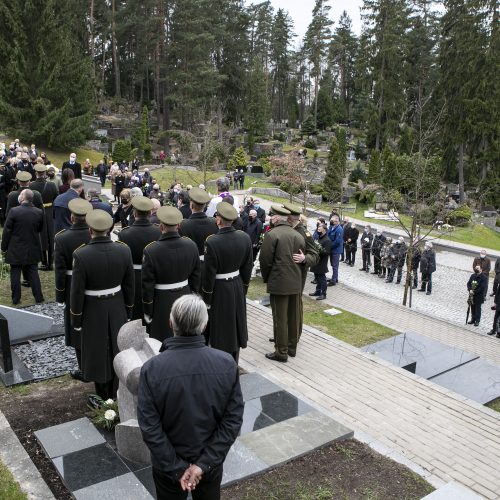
x: 336, y: 235
x: 322, y: 266
x: 428, y: 262
x: 366, y: 245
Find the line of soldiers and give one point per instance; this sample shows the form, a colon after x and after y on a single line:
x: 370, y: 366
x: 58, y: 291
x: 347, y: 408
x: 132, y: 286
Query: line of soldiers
x: 103, y: 284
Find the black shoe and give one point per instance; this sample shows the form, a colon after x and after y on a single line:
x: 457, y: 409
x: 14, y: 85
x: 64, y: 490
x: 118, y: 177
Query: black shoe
x: 43, y: 267
x: 421, y: 290
x: 492, y: 332
x: 492, y: 294
x: 388, y: 281
x: 292, y: 354
x: 352, y: 265
x: 314, y: 282
x: 374, y: 272
x: 77, y: 375
x: 313, y: 294
x: 40, y: 301
x: 275, y: 357
x: 476, y: 323
x: 471, y: 322
x: 271, y: 339
x: 362, y: 269
x: 427, y: 293
x: 25, y: 284
x: 498, y: 335
x: 321, y: 297
x: 398, y: 282
x: 93, y: 401
x: 330, y: 283
x: 16, y: 303
x: 414, y: 287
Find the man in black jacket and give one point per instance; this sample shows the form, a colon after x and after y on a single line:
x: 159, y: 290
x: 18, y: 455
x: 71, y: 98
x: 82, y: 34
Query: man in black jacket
x: 351, y: 234
x: 477, y: 285
x: 66, y: 242
x: 366, y: 248
x: 21, y: 243
x: 496, y: 320
x: 254, y: 230
x: 137, y: 236
x: 378, y: 243
x: 72, y: 164
x: 23, y: 180
x: 190, y: 407
x: 427, y: 267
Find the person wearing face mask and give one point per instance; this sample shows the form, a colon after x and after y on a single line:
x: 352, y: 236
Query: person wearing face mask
x: 254, y: 230
x: 378, y: 243
x: 123, y: 214
x: 72, y: 164
x: 26, y: 166
x: 336, y: 235
x: 427, y: 267
x: 321, y: 268
x: 477, y: 285
x: 261, y: 213
x: 484, y: 262
x: 366, y: 248
x: 351, y: 234
x: 398, y: 256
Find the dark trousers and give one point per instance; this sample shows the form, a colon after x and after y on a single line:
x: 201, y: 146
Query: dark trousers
x: 103, y: 180
x: 496, y: 283
x: 392, y: 272
x: 334, y: 261
x: 365, y: 252
x: 107, y: 390
x: 208, y: 488
x: 350, y: 255
x: 30, y: 273
x: 320, y: 283
x: 377, y: 268
x: 286, y: 322
x: 476, y: 310
x: 496, y: 320
x: 426, y: 281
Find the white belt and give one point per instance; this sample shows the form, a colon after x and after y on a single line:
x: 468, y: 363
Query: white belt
x: 138, y: 267
x: 107, y: 291
x: 226, y: 276
x: 69, y: 273
x: 202, y: 258
x: 171, y: 286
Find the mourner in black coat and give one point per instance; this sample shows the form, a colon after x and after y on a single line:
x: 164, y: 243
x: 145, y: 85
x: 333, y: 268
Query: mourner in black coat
x: 351, y: 234
x: 102, y: 299
x: 66, y: 242
x: 226, y: 276
x: 190, y: 407
x: 427, y: 267
x: 137, y: 236
x: 49, y: 193
x: 23, y: 180
x: 378, y: 243
x: 72, y: 164
x: 366, y: 248
x: 170, y: 269
x: 21, y: 245
x: 321, y: 268
x: 477, y: 286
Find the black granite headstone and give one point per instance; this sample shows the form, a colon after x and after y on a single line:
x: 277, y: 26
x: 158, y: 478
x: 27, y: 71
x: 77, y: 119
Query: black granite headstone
x: 6, y: 354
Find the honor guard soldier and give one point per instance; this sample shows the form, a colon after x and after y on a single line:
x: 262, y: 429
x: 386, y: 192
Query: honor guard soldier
x: 102, y: 300
x: 283, y: 277
x: 66, y: 242
x: 226, y: 275
x: 307, y: 260
x: 49, y: 193
x: 170, y: 269
x: 198, y: 227
x: 137, y: 236
x: 23, y: 180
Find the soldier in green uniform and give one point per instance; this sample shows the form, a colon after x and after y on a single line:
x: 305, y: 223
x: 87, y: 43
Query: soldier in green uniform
x: 137, y: 236
x: 198, y: 227
x: 307, y: 260
x: 283, y: 277
x: 101, y: 300
x: 49, y: 193
x: 66, y: 242
x: 225, y: 279
x: 170, y: 269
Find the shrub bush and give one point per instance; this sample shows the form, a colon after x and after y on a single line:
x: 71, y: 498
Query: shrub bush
x: 310, y: 144
x: 358, y: 174
x: 461, y: 216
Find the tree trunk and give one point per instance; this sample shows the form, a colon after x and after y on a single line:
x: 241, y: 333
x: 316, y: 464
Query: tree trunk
x: 461, y: 173
x: 316, y: 88
x: 92, y: 40
x: 116, y: 63
x: 380, y: 107
x: 409, y: 270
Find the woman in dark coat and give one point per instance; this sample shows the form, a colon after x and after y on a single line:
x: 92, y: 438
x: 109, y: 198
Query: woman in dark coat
x: 321, y: 268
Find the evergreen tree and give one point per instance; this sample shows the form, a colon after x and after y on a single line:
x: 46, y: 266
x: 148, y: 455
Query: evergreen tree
x: 374, y: 173
x: 237, y: 160
x: 308, y: 127
x: 335, y: 171
x: 325, y: 109
x: 315, y: 44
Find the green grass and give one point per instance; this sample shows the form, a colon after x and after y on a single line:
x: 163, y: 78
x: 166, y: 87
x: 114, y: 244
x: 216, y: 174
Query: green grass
x: 169, y: 175
x: 494, y: 405
x: 9, y: 488
x: 348, y: 327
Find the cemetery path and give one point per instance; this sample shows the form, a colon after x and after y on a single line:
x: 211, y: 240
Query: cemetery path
x: 449, y: 436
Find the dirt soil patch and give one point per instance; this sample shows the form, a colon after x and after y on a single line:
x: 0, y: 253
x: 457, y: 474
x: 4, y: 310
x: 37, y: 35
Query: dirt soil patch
x: 345, y: 470
x: 29, y: 408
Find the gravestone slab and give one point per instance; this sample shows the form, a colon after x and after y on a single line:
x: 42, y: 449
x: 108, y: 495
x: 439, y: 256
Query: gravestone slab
x: 124, y: 487
x: 241, y: 463
x: 279, y: 406
x: 431, y: 357
x: 332, y: 311
x: 254, y: 386
x: 19, y: 374
x: 69, y: 437
x: 25, y: 325
x: 478, y: 380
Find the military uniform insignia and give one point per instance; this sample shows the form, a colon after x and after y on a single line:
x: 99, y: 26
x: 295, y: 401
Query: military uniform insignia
x: 308, y: 234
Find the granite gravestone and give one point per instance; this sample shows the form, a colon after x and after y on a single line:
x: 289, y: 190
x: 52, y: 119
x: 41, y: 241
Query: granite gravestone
x: 135, y: 349
x: 25, y: 325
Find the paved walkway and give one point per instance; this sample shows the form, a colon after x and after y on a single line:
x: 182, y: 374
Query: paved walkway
x: 449, y: 436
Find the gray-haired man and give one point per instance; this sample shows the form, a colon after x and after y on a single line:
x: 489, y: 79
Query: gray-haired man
x: 190, y: 407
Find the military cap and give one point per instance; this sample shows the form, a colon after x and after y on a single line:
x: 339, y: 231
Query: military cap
x: 226, y: 211
x: 99, y: 220
x: 293, y: 209
x: 142, y: 203
x: 79, y: 206
x: 40, y: 167
x: 23, y: 176
x: 279, y: 210
x: 199, y: 196
x: 170, y: 216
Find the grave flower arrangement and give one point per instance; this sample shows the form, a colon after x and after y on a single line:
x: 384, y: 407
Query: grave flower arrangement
x: 105, y: 413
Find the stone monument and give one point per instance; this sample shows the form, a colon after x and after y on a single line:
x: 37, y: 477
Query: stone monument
x: 135, y: 349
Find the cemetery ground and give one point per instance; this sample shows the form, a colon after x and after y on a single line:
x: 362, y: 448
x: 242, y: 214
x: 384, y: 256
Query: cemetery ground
x: 348, y: 469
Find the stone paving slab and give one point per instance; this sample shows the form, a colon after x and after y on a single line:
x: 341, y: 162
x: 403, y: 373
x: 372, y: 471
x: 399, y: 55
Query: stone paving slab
x: 240, y: 463
x: 449, y: 436
x: 125, y: 487
x: 69, y: 437
x: 254, y: 385
x: 452, y: 491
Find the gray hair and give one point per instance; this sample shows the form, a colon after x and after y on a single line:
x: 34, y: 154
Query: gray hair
x: 76, y: 184
x: 189, y: 316
x: 222, y: 184
x: 27, y: 195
